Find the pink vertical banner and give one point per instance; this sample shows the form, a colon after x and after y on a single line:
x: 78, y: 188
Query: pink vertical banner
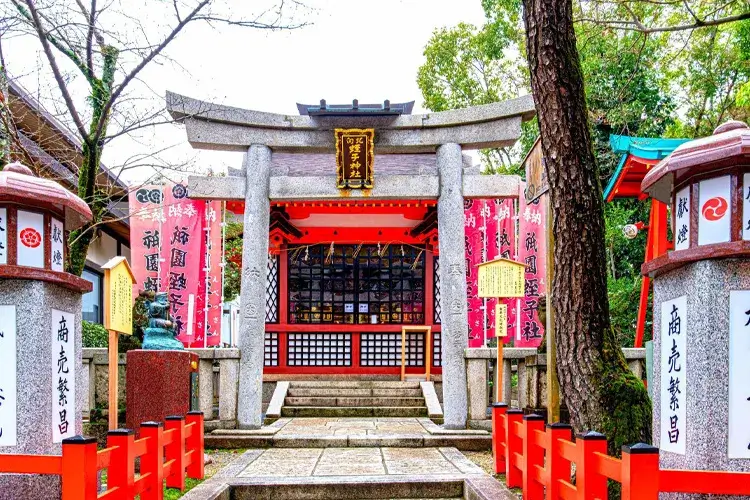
x: 532, y: 241
x: 146, y: 218
x: 505, y: 247
x: 480, y: 236
x: 214, y: 284
x: 182, y: 253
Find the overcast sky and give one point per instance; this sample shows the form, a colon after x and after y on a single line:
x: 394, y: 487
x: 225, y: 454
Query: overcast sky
x: 369, y: 50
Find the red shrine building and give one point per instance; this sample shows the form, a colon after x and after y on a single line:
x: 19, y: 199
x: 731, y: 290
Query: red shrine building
x: 353, y: 258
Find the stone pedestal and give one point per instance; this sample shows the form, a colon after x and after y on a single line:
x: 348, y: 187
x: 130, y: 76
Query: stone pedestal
x: 36, y: 401
x: 158, y: 385
x: 706, y: 286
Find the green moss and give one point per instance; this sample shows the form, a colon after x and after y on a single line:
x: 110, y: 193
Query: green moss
x: 628, y: 417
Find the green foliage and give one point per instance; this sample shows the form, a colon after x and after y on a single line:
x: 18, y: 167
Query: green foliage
x: 94, y: 335
x: 468, y: 65
x: 233, y: 255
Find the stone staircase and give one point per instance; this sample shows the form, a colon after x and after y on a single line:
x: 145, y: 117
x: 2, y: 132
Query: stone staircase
x: 354, y: 399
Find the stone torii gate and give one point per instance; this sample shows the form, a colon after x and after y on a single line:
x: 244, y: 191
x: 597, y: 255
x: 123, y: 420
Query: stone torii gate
x: 260, y: 135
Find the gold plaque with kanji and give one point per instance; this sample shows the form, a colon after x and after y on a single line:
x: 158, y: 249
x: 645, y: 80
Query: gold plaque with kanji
x: 501, y: 278
x: 354, y: 158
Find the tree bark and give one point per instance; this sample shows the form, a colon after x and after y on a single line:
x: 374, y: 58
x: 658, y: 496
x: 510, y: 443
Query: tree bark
x: 597, y: 387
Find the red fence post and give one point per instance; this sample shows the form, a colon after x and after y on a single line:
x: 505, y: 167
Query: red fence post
x: 533, y: 455
x: 195, y: 445
x: 513, y: 446
x: 557, y: 467
x: 498, y: 437
x: 79, y: 468
x: 640, y: 472
x: 121, y: 471
x: 589, y: 483
x: 175, y: 451
x: 152, y: 462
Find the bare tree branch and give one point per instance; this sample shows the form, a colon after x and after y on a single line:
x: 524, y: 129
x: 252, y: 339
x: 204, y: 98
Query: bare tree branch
x: 42, y: 35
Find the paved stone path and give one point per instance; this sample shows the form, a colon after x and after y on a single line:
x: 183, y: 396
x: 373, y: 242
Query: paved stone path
x: 342, y: 432
x: 358, y: 462
x: 346, y: 463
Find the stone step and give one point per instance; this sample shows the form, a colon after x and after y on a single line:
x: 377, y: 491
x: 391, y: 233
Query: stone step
x: 352, y: 401
x: 353, y: 411
x: 245, y: 441
x: 306, y: 392
x: 355, y: 384
x: 411, y: 488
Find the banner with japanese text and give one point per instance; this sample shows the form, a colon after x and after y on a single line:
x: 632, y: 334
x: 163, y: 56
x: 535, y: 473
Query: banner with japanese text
x: 532, y: 241
x: 176, y: 244
x: 146, y: 217
x: 209, y: 300
x: 488, y: 234
x: 505, y: 247
x: 182, y: 259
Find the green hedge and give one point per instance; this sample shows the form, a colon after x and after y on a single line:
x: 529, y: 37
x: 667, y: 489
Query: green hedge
x: 95, y: 335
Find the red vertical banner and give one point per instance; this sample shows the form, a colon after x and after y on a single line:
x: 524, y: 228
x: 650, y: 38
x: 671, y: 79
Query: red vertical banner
x: 213, y: 267
x: 146, y: 219
x: 505, y: 247
x: 482, y: 243
x: 532, y: 243
x: 183, y: 258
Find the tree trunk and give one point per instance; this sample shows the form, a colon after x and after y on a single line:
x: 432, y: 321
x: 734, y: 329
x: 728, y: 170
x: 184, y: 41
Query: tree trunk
x: 597, y: 387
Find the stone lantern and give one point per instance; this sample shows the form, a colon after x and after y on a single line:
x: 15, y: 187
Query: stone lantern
x: 41, y: 376
x: 701, y: 383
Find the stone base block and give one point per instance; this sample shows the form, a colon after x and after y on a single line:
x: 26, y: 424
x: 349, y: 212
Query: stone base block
x: 158, y: 385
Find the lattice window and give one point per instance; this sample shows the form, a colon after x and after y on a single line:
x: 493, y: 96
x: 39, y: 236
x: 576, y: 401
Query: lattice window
x: 272, y: 290
x: 436, y: 290
x: 271, y: 350
x: 437, y: 349
x: 384, y: 349
x: 319, y: 349
x: 356, y: 285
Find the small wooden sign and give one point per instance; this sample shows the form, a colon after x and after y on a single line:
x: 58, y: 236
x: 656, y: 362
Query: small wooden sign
x: 501, y: 278
x: 118, y: 318
x: 354, y: 158
x: 118, y: 296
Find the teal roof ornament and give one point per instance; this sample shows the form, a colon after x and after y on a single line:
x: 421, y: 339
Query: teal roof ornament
x: 651, y: 149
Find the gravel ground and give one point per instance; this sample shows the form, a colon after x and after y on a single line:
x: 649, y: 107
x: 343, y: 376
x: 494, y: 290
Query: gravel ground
x: 484, y: 460
x: 220, y: 458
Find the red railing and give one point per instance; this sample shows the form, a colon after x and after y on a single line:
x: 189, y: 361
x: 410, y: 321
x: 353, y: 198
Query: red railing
x: 170, y: 451
x: 538, y: 458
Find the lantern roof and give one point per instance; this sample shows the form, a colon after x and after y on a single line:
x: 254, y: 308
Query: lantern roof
x: 728, y: 146
x: 18, y: 184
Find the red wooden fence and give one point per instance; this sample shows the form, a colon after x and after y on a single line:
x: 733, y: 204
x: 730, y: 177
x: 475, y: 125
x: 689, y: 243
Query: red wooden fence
x: 538, y: 458
x: 169, y: 451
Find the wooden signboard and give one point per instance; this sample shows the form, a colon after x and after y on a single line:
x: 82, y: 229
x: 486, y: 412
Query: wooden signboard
x: 354, y: 158
x: 501, y: 278
x: 118, y: 318
x: 536, y: 175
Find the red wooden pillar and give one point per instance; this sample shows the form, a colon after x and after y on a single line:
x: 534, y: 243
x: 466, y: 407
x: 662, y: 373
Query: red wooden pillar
x: 499, y: 411
x: 175, y: 452
x: 79, y: 474
x: 429, y: 289
x: 557, y: 467
x: 513, y: 446
x: 589, y: 483
x: 121, y: 471
x: 195, y: 469
x: 656, y: 245
x: 152, y: 463
x: 533, y: 456
x: 640, y: 472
